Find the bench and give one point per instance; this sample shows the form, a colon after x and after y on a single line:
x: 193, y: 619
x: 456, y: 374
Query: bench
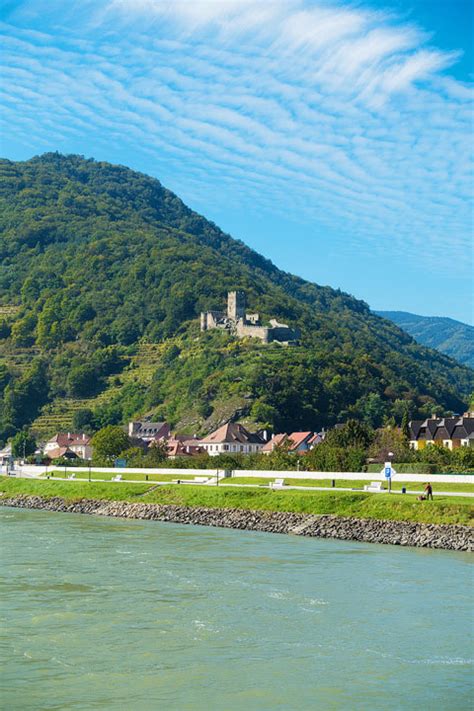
x: 375, y: 486
x: 117, y: 478
x: 277, y: 484
x: 71, y: 476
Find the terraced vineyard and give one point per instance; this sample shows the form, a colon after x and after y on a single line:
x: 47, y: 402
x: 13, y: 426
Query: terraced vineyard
x: 58, y: 415
x: 19, y: 359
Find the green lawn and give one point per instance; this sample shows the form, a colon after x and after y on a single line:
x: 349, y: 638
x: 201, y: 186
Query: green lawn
x: 453, y: 510
x: 260, y: 481
x: 348, y: 483
x: 135, y: 476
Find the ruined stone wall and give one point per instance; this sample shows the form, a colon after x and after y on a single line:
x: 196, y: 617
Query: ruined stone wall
x: 261, y: 332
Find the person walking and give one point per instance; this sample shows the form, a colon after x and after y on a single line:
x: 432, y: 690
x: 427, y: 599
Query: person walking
x: 429, y: 492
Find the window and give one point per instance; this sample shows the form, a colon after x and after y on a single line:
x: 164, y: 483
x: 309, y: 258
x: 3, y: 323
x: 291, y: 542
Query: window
x: 226, y: 448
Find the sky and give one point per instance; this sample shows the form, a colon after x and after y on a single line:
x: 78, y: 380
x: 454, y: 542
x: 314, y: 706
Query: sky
x: 333, y: 137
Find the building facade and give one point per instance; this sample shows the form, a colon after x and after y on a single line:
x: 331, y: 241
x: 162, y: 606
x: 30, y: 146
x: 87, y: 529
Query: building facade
x: 231, y: 438
x: 65, y: 444
x: 450, y: 432
x: 149, y: 431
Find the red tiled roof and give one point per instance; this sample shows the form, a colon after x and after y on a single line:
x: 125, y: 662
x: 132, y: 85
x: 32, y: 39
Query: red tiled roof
x: 232, y: 432
x: 275, y: 441
x: 59, y: 452
x: 175, y: 448
x: 298, y: 438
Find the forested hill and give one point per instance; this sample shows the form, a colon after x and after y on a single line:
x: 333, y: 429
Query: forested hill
x: 103, y: 273
x: 454, y: 338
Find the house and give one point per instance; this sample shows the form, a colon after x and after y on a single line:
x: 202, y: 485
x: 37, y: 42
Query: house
x: 232, y: 438
x: 67, y: 443
x: 451, y: 432
x: 298, y: 442
x: 148, y: 431
x: 183, y: 447
x: 276, y: 441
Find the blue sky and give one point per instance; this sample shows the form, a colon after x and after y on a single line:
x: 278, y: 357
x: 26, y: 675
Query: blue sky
x: 333, y: 137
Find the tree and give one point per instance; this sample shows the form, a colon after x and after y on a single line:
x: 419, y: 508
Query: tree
x: 23, y: 444
x: 406, y: 425
x: 82, y: 380
x: 390, y: 440
x: 351, y: 434
x: 327, y: 458
x: 372, y: 409
x: 5, y: 329
x: 263, y: 413
x: 22, y: 332
x: 157, y: 452
x: 83, y: 421
x: 109, y: 442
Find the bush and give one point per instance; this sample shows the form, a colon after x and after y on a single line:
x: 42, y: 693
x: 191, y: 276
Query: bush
x: 326, y: 458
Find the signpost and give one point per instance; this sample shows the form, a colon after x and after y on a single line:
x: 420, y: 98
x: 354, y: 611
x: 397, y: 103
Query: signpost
x: 388, y: 471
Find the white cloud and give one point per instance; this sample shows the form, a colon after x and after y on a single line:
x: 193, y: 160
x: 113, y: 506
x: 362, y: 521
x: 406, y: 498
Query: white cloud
x: 343, y: 115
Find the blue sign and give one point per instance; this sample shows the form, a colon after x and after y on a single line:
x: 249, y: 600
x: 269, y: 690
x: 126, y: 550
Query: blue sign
x: 120, y: 463
x: 388, y: 472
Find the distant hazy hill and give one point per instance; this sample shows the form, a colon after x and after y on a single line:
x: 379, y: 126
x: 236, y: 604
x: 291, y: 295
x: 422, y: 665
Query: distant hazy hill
x: 103, y: 274
x: 448, y: 336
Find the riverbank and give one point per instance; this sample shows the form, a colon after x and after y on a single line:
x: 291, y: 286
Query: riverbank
x: 318, y: 524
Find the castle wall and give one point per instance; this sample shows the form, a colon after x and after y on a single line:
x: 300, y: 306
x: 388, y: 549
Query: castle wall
x: 209, y: 319
x: 242, y: 324
x: 261, y: 332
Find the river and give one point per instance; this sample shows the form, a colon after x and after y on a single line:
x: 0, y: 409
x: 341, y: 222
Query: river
x: 101, y: 613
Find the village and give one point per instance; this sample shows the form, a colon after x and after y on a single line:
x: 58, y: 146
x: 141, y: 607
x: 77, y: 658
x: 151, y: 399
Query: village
x: 232, y: 438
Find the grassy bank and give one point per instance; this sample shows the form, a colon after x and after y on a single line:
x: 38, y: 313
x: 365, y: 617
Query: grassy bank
x: 263, y: 481
x: 349, y: 484
x: 129, y: 476
x: 447, y: 510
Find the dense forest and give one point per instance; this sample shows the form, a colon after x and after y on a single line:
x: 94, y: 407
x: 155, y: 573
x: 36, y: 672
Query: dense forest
x: 454, y: 338
x: 97, y: 261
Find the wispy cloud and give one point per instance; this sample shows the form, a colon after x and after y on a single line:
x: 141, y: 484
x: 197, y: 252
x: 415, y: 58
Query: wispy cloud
x: 346, y: 116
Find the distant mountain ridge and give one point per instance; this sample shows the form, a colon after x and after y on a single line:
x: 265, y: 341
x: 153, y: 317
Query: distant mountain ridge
x: 451, y: 337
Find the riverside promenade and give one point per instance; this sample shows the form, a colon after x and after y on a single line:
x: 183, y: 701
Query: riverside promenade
x: 292, y: 480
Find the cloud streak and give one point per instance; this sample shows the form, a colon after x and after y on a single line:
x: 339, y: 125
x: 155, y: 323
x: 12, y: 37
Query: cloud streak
x: 344, y: 116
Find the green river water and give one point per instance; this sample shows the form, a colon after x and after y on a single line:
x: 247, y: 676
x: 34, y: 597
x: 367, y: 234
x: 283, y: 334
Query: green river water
x: 114, y: 614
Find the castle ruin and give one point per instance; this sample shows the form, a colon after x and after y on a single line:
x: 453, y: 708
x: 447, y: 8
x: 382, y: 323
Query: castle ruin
x: 241, y: 324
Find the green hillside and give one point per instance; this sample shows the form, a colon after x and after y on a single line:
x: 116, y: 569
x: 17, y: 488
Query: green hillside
x: 454, y: 338
x: 103, y: 274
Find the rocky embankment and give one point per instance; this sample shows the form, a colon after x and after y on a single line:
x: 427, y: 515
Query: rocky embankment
x: 400, y: 533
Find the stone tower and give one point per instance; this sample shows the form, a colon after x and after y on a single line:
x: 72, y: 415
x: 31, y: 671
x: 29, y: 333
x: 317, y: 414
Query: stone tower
x: 236, y: 305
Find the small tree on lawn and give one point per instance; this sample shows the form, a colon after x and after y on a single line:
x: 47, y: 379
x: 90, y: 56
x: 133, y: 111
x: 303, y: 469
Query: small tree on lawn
x: 23, y: 444
x: 109, y: 442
